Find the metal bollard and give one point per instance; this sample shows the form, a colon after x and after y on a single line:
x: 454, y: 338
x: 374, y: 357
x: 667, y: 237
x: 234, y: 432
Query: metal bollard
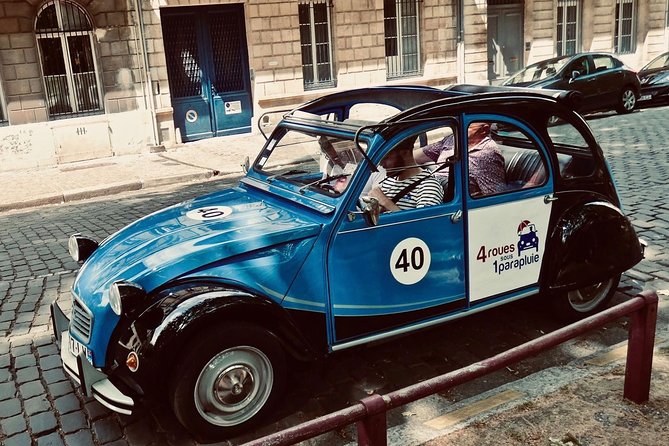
x: 640, y: 350
x: 372, y: 430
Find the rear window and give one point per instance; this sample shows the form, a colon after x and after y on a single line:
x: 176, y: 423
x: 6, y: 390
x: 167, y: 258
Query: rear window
x: 574, y: 155
x: 603, y: 63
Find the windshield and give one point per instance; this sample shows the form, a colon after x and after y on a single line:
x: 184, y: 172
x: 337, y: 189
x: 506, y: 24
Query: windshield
x: 313, y: 161
x: 539, y: 71
x: 658, y: 62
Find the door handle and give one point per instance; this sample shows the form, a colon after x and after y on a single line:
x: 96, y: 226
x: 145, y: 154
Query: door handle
x: 549, y: 198
x: 456, y: 216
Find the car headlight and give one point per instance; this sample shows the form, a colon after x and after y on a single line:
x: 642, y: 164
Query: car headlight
x: 123, y: 295
x: 81, y: 247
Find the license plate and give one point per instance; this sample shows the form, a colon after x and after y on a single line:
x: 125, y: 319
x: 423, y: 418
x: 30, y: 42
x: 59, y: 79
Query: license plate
x: 646, y: 97
x: 77, y: 347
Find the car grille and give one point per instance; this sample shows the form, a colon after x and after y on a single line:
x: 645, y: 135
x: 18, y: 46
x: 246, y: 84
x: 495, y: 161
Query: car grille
x: 82, y: 321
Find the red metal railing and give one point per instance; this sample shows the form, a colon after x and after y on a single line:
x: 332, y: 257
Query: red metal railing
x: 370, y: 413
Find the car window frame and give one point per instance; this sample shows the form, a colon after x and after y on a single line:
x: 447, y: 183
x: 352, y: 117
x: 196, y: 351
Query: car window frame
x: 384, y: 147
x: 543, y: 148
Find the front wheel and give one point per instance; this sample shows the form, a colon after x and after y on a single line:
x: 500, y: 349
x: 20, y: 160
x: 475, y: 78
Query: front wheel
x: 627, y: 101
x: 228, y: 381
x: 577, y: 304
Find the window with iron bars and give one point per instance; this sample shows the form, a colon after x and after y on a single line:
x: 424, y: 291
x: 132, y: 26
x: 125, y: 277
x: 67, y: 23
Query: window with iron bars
x: 316, y: 43
x: 402, y: 32
x: 568, y: 27
x: 69, y: 67
x: 623, y: 40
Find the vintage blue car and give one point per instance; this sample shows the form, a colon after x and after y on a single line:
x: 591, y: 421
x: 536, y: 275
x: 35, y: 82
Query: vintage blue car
x: 204, y: 302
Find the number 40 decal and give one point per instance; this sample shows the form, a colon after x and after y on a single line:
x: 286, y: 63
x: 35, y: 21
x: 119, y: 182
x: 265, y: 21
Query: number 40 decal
x: 410, y: 261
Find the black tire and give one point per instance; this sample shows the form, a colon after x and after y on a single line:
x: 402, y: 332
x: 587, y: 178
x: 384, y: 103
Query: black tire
x: 626, y: 100
x: 583, y: 302
x: 221, y: 388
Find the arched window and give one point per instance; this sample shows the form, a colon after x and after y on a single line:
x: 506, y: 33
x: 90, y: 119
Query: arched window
x: 65, y: 43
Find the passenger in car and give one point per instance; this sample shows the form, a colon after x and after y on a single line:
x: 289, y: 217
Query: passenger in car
x: 407, y: 186
x: 486, y: 162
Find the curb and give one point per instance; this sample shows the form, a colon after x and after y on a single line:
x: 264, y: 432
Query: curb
x: 71, y: 195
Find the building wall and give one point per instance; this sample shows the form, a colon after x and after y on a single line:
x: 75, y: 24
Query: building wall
x: 137, y: 105
x: 597, y: 29
x: 32, y: 139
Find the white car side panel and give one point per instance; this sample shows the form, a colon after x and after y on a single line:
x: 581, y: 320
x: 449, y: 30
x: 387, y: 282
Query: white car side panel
x: 506, y: 246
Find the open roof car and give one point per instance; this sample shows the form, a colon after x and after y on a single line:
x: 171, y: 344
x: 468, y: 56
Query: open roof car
x: 202, y: 303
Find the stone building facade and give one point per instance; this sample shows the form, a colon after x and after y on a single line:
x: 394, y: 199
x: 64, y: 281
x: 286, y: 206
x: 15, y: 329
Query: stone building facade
x: 85, y: 79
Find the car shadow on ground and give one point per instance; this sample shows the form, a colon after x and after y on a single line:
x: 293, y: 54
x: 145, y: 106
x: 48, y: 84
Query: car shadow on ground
x: 321, y: 387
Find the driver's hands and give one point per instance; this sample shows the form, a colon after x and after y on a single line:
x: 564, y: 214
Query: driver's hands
x: 385, y: 202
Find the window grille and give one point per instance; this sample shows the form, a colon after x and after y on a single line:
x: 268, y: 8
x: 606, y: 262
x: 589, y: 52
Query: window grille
x: 316, y: 43
x: 402, y: 38
x: 181, y: 45
x: 568, y: 27
x: 623, y: 41
x: 65, y: 44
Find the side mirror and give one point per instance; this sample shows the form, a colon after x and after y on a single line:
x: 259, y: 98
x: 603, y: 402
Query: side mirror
x: 246, y: 164
x: 371, y: 209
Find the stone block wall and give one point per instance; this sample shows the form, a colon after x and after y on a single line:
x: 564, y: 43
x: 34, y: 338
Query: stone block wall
x: 21, y: 75
x: 540, y: 33
x: 597, y: 29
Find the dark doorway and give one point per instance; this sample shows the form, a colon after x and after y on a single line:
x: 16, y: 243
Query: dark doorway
x: 505, y: 39
x: 208, y: 70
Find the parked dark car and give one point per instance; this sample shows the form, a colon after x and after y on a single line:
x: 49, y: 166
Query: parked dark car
x: 604, y: 81
x: 655, y: 81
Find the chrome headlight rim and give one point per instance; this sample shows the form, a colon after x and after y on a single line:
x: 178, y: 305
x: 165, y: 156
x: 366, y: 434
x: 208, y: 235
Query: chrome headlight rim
x: 123, y: 296
x: 81, y: 247
x: 115, y: 298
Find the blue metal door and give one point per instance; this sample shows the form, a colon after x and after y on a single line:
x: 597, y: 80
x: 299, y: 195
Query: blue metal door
x: 207, y: 66
x: 407, y: 270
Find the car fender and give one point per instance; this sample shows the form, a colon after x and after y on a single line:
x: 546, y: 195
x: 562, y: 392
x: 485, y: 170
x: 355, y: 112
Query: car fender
x: 590, y: 242
x: 178, y: 313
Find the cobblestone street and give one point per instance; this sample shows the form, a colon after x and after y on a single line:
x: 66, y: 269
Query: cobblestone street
x: 39, y: 405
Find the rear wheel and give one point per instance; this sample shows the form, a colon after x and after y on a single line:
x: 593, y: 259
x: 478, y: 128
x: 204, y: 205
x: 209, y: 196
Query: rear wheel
x: 229, y: 380
x: 577, y: 304
x: 627, y: 101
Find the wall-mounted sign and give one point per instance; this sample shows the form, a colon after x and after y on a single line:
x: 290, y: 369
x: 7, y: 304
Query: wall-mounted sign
x: 233, y: 107
x: 191, y: 115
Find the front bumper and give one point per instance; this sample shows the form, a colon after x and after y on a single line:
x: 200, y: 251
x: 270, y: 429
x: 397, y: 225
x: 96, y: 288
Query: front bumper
x: 654, y: 94
x: 93, y: 381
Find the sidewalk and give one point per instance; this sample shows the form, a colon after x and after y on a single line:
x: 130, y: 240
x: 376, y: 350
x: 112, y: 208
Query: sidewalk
x: 196, y: 161
x: 587, y: 411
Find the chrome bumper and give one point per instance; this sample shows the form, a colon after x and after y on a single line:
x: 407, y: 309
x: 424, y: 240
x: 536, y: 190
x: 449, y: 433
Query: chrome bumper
x: 93, y: 382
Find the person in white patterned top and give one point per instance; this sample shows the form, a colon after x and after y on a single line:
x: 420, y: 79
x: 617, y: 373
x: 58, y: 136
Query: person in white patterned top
x: 424, y: 189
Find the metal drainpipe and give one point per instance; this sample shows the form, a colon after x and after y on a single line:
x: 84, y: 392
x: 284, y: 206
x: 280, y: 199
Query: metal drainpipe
x: 460, y: 38
x: 147, y: 74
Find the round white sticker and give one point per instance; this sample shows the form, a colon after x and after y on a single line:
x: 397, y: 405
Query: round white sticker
x: 410, y: 261
x: 191, y: 115
x: 209, y: 213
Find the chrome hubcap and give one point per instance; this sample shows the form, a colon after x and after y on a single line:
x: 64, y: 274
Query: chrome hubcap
x: 588, y: 298
x: 233, y: 386
x: 629, y: 100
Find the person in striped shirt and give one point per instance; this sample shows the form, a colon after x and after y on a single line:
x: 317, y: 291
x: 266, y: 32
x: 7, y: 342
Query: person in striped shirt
x: 423, y: 188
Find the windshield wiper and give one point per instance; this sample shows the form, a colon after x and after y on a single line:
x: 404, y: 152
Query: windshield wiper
x: 327, y: 179
x: 285, y: 174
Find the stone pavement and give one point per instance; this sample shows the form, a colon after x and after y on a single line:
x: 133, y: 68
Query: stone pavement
x: 39, y: 405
